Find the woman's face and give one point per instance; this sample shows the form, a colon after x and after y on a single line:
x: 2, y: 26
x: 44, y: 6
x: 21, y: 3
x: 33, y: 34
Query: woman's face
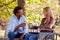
x: 45, y: 13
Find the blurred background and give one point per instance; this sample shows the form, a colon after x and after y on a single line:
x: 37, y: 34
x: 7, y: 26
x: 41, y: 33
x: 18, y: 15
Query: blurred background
x: 32, y: 11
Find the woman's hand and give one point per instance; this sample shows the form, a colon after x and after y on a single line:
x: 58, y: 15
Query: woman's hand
x: 40, y: 26
x: 47, y: 27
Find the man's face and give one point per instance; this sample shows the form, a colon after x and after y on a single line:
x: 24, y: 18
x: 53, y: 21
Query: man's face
x: 20, y: 12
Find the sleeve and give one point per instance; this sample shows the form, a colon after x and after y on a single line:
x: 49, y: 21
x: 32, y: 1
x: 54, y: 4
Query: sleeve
x: 11, y: 25
x: 51, y: 23
x: 26, y: 29
x: 41, y: 25
x: 26, y: 26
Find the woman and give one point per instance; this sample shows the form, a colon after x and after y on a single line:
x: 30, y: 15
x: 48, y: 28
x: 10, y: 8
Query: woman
x: 47, y: 23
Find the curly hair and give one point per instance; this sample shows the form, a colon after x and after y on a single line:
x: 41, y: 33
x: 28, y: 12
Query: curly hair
x: 16, y: 9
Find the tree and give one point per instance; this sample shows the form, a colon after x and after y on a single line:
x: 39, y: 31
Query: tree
x: 32, y: 8
x: 22, y: 3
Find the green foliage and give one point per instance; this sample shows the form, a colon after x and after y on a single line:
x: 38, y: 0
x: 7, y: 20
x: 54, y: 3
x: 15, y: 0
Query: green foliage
x: 6, y: 8
x: 33, y: 9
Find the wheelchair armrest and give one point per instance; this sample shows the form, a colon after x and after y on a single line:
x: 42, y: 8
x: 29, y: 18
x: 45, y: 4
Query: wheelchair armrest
x: 57, y: 34
x: 48, y: 29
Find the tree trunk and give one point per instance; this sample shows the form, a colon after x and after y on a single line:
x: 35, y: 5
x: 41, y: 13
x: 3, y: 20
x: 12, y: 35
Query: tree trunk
x: 22, y: 3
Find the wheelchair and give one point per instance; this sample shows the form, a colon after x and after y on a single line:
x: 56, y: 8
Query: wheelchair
x: 44, y: 35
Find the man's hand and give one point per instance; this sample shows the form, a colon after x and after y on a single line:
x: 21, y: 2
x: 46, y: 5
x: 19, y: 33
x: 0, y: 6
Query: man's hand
x: 22, y: 37
x: 20, y: 25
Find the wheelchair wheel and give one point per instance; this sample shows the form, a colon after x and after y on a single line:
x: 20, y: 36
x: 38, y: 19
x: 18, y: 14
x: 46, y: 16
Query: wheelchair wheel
x: 49, y: 37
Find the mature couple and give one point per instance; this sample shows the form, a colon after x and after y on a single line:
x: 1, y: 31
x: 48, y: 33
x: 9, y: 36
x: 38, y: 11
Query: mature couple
x: 19, y: 29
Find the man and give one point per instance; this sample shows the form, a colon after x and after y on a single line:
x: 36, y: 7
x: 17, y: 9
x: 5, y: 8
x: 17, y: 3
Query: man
x: 17, y: 25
